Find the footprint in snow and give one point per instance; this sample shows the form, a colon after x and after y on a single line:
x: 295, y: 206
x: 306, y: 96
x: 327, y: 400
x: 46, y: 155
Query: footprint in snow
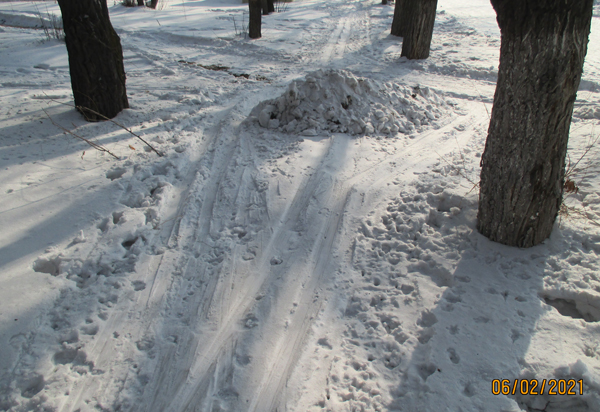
x: 427, y: 319
x: 454, y: 358
x: 31, y: 385
x: 138, y: 285
x: 425, y: 335
x: 325, y: 343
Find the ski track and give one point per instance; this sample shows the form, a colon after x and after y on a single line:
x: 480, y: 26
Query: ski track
x: 279, y: 357
x: 200, y: 307
x: 147, y: 304
x: 203, y: 376
x: 290, y: 347
x: 242, y: 303
x: 203, y: 292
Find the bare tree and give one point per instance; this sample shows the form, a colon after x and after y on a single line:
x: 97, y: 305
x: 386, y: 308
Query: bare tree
x: 95, y: 58
x: 417, y: 34
x: 254, y: 19
x: 541, y: 59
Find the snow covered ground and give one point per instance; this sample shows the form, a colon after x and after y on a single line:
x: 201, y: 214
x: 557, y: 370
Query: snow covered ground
x: 307, y: 242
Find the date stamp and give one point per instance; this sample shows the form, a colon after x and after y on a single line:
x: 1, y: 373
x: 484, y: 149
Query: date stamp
x: 537, y: 387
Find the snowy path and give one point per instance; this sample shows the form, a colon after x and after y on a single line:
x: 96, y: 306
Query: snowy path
x: 294, y: 267
x: 281, y: 249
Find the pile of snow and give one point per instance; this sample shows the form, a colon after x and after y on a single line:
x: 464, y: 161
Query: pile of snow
x: 338, y: 101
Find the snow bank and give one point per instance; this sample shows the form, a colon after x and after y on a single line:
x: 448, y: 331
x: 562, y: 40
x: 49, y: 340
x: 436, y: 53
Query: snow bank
x: 338, y: 101
x: 29, y: 20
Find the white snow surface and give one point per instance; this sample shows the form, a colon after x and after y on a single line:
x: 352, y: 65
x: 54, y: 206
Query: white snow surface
x: 306, y: 242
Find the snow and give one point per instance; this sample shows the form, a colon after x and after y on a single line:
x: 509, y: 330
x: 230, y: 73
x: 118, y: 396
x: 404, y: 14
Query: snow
x: 307, y: 242
x: 337, y: 101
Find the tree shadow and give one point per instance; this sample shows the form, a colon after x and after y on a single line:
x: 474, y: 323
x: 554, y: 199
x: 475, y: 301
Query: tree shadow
x: 485, y: 328
x: 478, y: 331
x: 265, y: 272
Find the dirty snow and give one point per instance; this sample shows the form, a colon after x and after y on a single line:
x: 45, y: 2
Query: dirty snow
x: 337, y: 101
x: 307, y: 242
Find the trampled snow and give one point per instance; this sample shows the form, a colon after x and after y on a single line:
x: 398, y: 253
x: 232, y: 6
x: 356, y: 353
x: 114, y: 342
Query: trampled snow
x: 306, y: 243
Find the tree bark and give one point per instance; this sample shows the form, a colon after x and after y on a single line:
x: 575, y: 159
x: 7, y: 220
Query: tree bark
x: 264, y: 6
x: 254, y: 19
x: 419, y: 30
x: 95, y: 58
x: 541, y: 59
x: 153, y: 3
x: 384, y: 1
x: 400, y: 20
x: 271, y: 6
x: 140, y: 2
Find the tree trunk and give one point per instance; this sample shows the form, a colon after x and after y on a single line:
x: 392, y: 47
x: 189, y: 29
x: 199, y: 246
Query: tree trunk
x: 140, y: 2
x: 400, y: 20
x: 254, y: 19
x: 95, y: 58
x: 419, y: 30
x: 264, y: 5
x: 384, y: 1
x: 541, y: 58
x: 271, y: 5
x: 153, y: 3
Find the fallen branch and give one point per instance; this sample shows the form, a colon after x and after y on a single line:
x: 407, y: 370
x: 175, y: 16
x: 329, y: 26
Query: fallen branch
x: 94, y: 145
x: 81, y: 109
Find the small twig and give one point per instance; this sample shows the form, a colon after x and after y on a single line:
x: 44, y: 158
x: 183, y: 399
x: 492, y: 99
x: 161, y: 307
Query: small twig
x: 568, y: 211
x: 571, y: 168
x: 462, y: 156
x: 159, y: 224
x: 94, y: 145
x: 482, y: 102
x: 458, y: 171
x: 81, y: 108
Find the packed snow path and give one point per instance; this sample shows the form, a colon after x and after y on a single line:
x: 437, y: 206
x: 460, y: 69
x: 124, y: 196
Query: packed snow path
x: 277, y: 259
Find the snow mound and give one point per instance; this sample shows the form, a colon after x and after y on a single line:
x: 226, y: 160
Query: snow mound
x: 338, y: 101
